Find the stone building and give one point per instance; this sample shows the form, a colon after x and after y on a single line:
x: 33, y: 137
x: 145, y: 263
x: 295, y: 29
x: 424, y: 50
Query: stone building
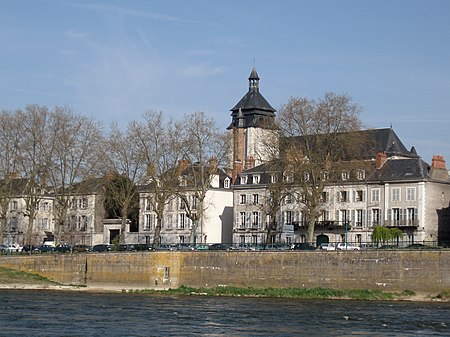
x: 384, y: 185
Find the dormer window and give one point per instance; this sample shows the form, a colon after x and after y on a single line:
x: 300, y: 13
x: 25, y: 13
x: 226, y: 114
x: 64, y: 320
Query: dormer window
x: 183, y: 181
x: 273, y: 178
x: 288, y: 178
x: 243, y: 180
x: 344, y: 175
x: 324, y: 176
x: 226, y: 183
x: 306, y: 176
x: 256, y: 179
x: 360, y: 174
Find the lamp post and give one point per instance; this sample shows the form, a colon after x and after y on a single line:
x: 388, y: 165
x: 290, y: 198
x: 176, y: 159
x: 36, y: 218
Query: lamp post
x: 346, y: 233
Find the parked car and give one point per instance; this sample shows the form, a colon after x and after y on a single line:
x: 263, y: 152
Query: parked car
x: 347, y: 246
x: 419, y: 246
x: 28, y: 248
x: 46, y: 249
x: 3, y: 248
x: 80, y: 248
x: 101, y: 248
x: 276, y: 246
x: 302, y: 246
x: 220, y: 246
x: 327, y: 246
x: 15, y: 248
x: 63, y: 248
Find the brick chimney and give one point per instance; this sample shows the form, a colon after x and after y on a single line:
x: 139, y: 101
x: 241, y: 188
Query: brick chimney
x: 249, y: 162
x: 380, y: 159
x: 438, y: 169
x: 182, y: 165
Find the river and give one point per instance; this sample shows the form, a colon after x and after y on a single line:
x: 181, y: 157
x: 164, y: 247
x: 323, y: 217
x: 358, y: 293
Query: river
x: 58, y: 313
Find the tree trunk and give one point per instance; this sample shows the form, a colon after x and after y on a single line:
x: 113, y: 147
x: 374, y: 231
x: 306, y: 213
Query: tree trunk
x: 310, y: 232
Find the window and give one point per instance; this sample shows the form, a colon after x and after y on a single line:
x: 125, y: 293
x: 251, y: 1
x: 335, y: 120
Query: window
x: 288, y: 178
x: 181, y: 221
x: 243, y: 199
x: 324, y: 176
x: 411, y: 194
x: 375, y: 195
x: 14, y: 205
x: 241, y: 239
x: 324, y: 197
x: 255, y: 199
x: 359, y: 196
x: 306, y: 176
x: 396, y: 216
x: 360, y: 174
x: 226, y: 183
x: 244, y: 180
x: 168, y: 221
x: 273, y: 178
x: 148, y: 205
x: 181, y: 204
x: 242, y: 219
x: 359, y: 218
x: 287, y: 217
x: 411, y: 216
x: 256, y: 179
x: 149, y: 221
x: 375, y: 217
x: 255, y: 219
x: 288, y: 199
x: 343, y: 196
x: 84, y: 203
x: 344, y: 216
x: 344, y: 175
x: 395, y: 194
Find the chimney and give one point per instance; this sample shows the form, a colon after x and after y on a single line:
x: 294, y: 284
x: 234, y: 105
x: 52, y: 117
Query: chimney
x: 249, y: 162
x: 438, y: 169
x: 237, y: 168
x: 438, y: 162
x: 182, y: 165
x: 380, y: 160
x: 150, y: 170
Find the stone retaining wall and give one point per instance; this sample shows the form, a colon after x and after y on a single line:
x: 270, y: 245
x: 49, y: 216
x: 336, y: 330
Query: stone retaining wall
x: 427, y: 271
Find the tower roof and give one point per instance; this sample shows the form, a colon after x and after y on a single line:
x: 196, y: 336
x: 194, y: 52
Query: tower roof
x: 253, y: 106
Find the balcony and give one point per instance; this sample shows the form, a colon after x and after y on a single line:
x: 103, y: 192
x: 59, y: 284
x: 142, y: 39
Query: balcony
x: 414, y: 223
x: 322, y: 224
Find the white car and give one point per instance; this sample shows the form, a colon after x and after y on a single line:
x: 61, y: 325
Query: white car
x: 327, y: 246
x: 348, y: 246
x: 14, y: 248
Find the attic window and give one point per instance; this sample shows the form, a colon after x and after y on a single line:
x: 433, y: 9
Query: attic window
x: 344, y: 175
x: 289, y: 178
x: 226, y: 183
x: 360, y: 174
x: 324, y: 175
x: 243, y: 180
x: 256, y: 179
x: 273, y: 178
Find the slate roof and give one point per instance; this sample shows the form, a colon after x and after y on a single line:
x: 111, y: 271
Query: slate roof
x: 254, y: 107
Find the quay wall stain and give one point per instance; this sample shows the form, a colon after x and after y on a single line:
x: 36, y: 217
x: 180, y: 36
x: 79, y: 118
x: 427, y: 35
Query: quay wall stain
x: 427, y: 271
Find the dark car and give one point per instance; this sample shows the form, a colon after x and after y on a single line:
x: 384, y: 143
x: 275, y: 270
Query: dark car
x: 46, y: 249
x: 419, y: 246
x: 28, y: 248
x: 63, y: 248
x: 303, y: 246
x: 220, y: 246
x: 101, y: 248
x: 139, y: 247
x: 80, y: 248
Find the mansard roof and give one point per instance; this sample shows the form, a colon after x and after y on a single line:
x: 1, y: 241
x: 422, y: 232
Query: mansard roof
x: 401, y: 169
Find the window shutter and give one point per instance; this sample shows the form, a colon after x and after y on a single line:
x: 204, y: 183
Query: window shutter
x: 337, y: 215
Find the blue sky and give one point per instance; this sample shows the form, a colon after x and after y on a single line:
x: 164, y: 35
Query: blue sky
x: 112, y: 60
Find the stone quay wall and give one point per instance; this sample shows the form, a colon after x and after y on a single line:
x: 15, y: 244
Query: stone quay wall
x: 427, y: 271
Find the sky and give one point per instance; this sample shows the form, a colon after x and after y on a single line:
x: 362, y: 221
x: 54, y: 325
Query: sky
x: 113, y: 60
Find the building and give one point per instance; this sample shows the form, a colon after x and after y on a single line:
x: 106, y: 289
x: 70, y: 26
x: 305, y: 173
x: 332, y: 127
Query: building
x: 383, y: 185
x: 183, y: 208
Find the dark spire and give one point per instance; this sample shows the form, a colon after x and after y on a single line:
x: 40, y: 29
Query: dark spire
x: 253, y: 80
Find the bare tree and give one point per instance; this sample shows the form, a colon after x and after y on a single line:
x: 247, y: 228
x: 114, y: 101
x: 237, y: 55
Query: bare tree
x: 9, y: 143
x: 74, y: 154
x: 316, y: 137
x: 125, y: 163
x: 205, y: 148
x: 162, y: 150
x: 34, y: 160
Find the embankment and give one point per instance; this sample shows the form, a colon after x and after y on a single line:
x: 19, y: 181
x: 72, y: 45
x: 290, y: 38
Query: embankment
x: 421, y: 271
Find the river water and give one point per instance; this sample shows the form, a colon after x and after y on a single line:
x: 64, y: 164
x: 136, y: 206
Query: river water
x: 56, y: 313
